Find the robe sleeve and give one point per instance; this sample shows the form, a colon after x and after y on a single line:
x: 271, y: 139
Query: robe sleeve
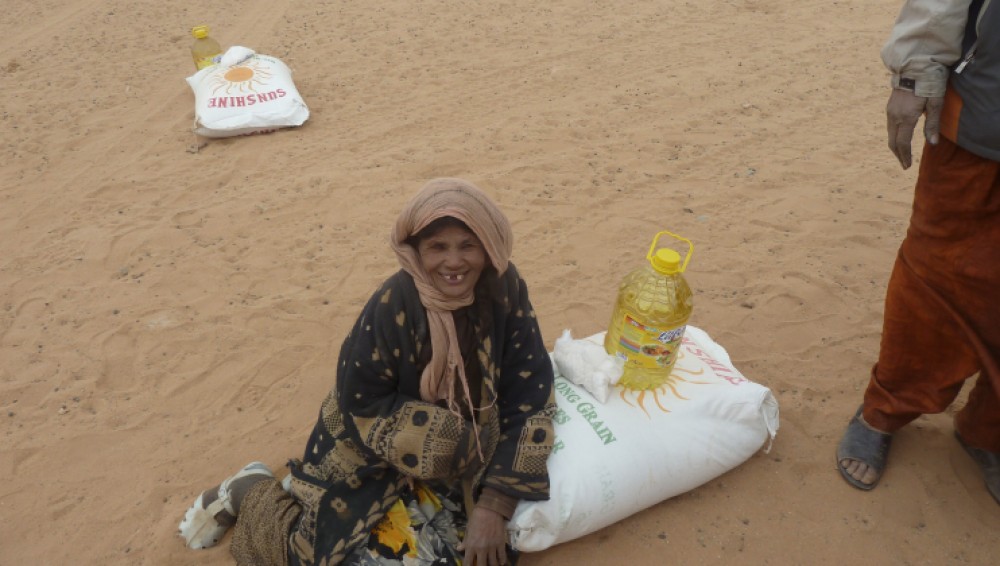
x: 525, y: 400
x: 378, y: 392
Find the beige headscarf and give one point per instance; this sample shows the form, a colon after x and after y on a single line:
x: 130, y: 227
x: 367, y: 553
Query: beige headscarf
x: 464, y: 201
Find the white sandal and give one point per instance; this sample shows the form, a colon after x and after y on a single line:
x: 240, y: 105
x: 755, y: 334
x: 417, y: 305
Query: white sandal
x: 211, y: 515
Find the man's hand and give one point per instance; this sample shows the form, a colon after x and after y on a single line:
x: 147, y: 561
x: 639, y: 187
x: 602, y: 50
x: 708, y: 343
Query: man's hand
x: 902, y: 113
x: 485, y: 537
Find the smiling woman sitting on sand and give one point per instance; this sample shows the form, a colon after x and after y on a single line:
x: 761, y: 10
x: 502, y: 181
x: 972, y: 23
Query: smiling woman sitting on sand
x: 439, y: 422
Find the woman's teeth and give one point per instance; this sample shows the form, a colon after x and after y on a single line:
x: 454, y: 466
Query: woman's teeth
x: 454, y: 278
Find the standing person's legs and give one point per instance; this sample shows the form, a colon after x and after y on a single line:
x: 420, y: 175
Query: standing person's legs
x: 923, y: 358
x: 977, y: 301
x: 940, y: 307
x: 923, y: 362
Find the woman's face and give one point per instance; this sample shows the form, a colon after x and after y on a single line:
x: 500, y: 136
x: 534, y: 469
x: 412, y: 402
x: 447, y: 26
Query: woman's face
x: 453, y: 258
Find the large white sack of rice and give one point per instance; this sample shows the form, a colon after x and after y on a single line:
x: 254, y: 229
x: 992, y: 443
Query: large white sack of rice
x: 614, y: 459
x: 246, y: 93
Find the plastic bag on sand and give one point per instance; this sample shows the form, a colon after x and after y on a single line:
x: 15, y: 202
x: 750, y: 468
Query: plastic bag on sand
x: 246, y: 93
x: 588, y: 365
x: 615, y: 459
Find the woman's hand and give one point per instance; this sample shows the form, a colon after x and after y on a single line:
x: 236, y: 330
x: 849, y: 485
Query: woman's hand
x: 485, y: 539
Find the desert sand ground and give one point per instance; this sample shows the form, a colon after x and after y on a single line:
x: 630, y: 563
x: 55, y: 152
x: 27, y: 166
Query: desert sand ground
x: 171, y: 308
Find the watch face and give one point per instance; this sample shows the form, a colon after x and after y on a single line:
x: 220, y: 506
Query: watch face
x: 908, y: 84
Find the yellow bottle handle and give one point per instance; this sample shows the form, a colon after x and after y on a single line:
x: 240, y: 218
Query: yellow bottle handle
x: 687, y: 257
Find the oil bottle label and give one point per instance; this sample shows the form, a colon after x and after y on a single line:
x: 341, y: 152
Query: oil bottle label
x: 207, y: 61
x: 647, y: 346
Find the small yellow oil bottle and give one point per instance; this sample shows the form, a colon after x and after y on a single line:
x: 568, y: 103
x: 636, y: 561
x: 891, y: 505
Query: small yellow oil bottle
x: 647, y: 325
x: 205, y: 50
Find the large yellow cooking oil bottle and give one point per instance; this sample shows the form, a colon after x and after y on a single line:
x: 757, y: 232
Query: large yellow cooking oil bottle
x: 653, y: 307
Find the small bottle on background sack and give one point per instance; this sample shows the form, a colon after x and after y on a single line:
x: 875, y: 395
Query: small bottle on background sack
x: 205, y: 50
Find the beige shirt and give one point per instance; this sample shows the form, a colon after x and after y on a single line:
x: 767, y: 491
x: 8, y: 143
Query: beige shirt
x: 926, y: 40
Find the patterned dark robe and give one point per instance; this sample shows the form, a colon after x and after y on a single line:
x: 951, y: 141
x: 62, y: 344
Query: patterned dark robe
x: 374, y: 432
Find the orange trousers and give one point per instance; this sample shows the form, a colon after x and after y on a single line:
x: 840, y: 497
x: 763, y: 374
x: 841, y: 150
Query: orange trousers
x: 942, y: 308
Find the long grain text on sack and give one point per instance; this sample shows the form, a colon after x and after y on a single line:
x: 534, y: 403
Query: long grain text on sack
x: 586, y: 409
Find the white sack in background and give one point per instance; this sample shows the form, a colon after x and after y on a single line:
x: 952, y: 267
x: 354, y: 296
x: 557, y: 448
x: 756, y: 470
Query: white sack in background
x: 252, y: 95
x: 613, y: 460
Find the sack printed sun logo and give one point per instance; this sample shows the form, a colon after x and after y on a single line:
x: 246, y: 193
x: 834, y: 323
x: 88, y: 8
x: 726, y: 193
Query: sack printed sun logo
x: 243, y: 85
x: 240, y: 79
x: 639, y: 397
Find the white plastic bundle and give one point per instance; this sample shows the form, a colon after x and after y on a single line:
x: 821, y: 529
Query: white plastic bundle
x: 246, y: 93
x: 614, y: 459
x: 588, y: 365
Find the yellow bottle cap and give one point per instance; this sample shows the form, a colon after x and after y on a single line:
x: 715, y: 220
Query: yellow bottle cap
x: 666, y: 261
x: 200, y: 32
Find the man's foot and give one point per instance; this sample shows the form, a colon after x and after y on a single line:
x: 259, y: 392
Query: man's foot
x: 215, y: 510
x: 990, y: 464
x: 862, y: 453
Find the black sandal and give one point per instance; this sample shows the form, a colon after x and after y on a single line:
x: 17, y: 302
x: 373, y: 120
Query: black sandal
x: 990, y: 464
x: 866, y: 445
